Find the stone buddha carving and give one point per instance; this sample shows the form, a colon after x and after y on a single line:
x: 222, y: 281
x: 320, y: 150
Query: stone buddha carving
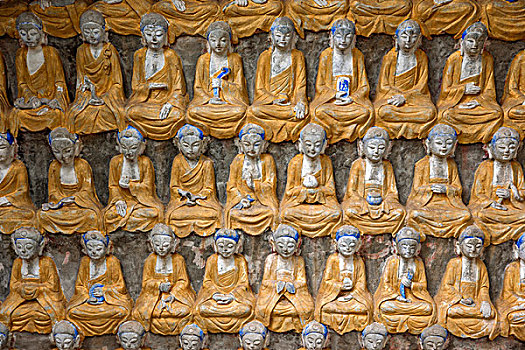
x: 65, y: 336
x: 131, y: 335
x: 60, y: 17
x: 315, y: 15
x: 123, y: 16
x: 192, y: 338
x: 373, y: 337
x: 434, y: 337
x: 314, y: 336
x: 379, y: 16
x: 253, y: 336
x: 246, y: 17
x: 504, y: 18
x: 513, y: 101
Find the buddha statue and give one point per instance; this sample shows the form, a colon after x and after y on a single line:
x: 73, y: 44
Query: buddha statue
x: 434, y: 205
x: 468, y: 95
x: 100, y: 99
x: 373, y: 337
x: 193, y: 206
x: 402, y: 104
x: 341, y: 103
x: 434, y: 337
x: 72, y: 205
x: 309, y: 201
x: 447, y: 16
x: 16, y: 208
x: 280, y: 102
x: 42, y: 91
x: 315, y: 15
x: 343, y: 301
x: 166, y: 299
x: 284, y: 302
x: 225, y: 301
x: 5, y: 337
x: 61, y: 18
x: 253, y: 336
x: 65, y: 336
x: 192, y: 338
x: 371, y: 201
x: 133, y: 204
x: 123, y: 16
x: 35, y: 301
x: 220, y: 97
x: 402, y: 302
x: 251, y: 204
x: 101, y: 301
x: 504, y: 18
x: 314, y: 336
x: 498, y: 191
x: 378, y: 16
x: 9, y: 11
x: 513, y: 101
x: 131, y: 335
x: 157, y: 106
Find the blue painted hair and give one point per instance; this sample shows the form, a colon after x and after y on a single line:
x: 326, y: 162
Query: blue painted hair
x: 8, y: 137
x: 129, y: 130
x: 347, y: 231
x: 227, y: 233
x: 520, y: 240
x: 252, y: 129
x: 315, y: 327
x: 188, y: 129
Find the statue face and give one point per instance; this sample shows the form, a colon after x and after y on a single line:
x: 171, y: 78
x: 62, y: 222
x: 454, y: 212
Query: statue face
x: 31, y: 37
x: 312, y: 145
x: 96, y: 250
x: 252, y: 341
x: 219, y: 42
x: 130, y: 341
x: 471, y: 247
x: 3, y: 341
x: 155, y: 37
x: 473, y: 44
x: 130, y: 148
x: 407, y: 248
x: 442, y: 145
x: 374, y: 342
x: 93, y: 33
x: 282, y: 40
x: 252, y: 145
x: 26, y: 248
x: 375, y: 149
x: 190, y: 342
x: 225, y: 247
x: 162, y: 245
x: 343, y: 39
x: 407, y: 40
x: 313, y: 341
x: 5, y: 151
x: 191, y: 147
x: 285, y: 246
x: 433, y: 343
x: 64, y: 151
x: 64, y: 341
x: 505, y: 149
x: 347, y: 246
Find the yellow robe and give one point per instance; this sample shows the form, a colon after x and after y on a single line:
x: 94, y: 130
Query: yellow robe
x: 350, y: 121
x: 504, y: 19
x: 264, y: 210
x: 399, y: 316
x: 344, y: 316
x: 145, y: 104
x: 285, y: 311
x: 290, y: 84
x: 47, y: 82
x: 314, y: 214
x: 225, y: 120
x: 387, y: 217
x: 5, y: 108
x: 149, y: 310
x: 85, y: 214
x: 144, y: 206
x: 499, y: 225
x: 514, y: 94
x: 9, y: 11
x: 15, y: 187
x: 415, y: 118
x: 61, y: 21
x: 215, y: 318
x: 105, y: 73
x: 378, y: 16
x: 437, y: 214
x: 34, y: 304
x: 465, y: 321
x: 247, y: 20
x: 124, y: 17
x: 203, y: 218
x: 477, y: 124
x: 511, y: 307
x: 306, y: 14
x: 105, y: 318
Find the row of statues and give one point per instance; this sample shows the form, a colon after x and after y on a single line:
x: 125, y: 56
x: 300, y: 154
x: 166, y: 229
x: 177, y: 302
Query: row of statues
x: 159, y: 104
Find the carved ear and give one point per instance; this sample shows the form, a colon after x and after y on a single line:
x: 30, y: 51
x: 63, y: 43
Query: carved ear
x: 394, y: 246
x: 42, y: 245
x: 106, y: 37
x: 360, y: 148
x: 325, y: 144
x: 264, y: 146
x: 271, y: 240
x: 142, y: 147
x: 461, y: 49
x: 78, y: 147
x: 237, y: 143
x: 515, y: 252
x: 205, y: 144
x: 176, y: 243
x: 361, y: 340
x: 426, y: 145
x: 51, y: 339
x: 418, y: 249
x: 388, y: 149
x: 299, y: 145
x: 457, y: 248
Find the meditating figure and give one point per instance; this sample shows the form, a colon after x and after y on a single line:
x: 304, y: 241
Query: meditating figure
x: 468, y: 95
x: 131, y: 335
x: 9, y: 11
x: 314, y: 336
x: 101, y: 301
x: 341, y: 104
x: 253, y: 336
x: 504, y: 19
x: 247, y: 17
x: 315, y: 15
x: 434, y: 338
x: 226, y: 301
x: 65, y: 336
x: 309, y: 201
x: 284, y: 303
x: 60, y: 17
x: 403, y: 105
x: 379, y: 16
x: 192, y: 338
x: 251, y: 204
x: 371, y: 201
x: 463, y: 300
x: 513, y: 101
x: 373, y: 337
x: 123, y: 16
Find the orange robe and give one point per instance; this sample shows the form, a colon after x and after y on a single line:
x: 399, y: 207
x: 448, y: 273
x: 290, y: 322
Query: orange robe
x: 350, y: 121
x: 307, y: 14
x: 387, y: 217
x: 149, y: 310
x: 415, y: 118
x: 504, y: 19
x: 460, y: 320
x: 290, y: 84
x: 437, y: 214
x: 34, y: 304
x: 61, y: 21
x: 203, y: 218
x: 224, y: 120
x: 247, y: 20
x: 144, y: 206
x: 477, y: 124
x: 514, y: 94
x: 47, y: 82
x: 511, y: 307
x: 124, y: 17
x: 344, y: 316
x: 105, y: 74
x: 9, y: 11
x: 105, y: 318
x: 379, y: 16
x: 284, y: 311
x: 5, y: 108
x: 315, y: 214
x: 15, y: 187
x: 264, y: 210
x: 145, y: 104
x: 215, y: 318
x: 400, y: 316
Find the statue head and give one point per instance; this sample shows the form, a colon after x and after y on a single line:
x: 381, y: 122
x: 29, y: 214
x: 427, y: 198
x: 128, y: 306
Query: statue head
x: 191, y: 337
x: 314, y: 336
x: 219, y: 36
x: 190, y: 140
x: 408, y: 242
x: 433, y: 338
x: 504, y: 144
x: 282, y: 34
x: 8, y: 147
x: 285, y: 241
x: 5, y: 336
x: 154, y: 29
x: 65, y: 145
x: 253, y: 336
x: 348, y: 239
x: 163, y: 240
x: 470, y: 242
x: 93, y: 27
x: 441, y: 141
x: 374, y: 337
x: 312, y: 140
x: 408, y: 36
x: 65, y: 336
x: 252, y: 141
x: 96, y: 245
x: 226, y: 242
x: 375, y: 145
x: 131, y: 143
x: 519, y: 247
x: 473, y: 39
x: 28, y: 242
x: 342, y: 35
x: 131, y: 335
x: 30, y: 29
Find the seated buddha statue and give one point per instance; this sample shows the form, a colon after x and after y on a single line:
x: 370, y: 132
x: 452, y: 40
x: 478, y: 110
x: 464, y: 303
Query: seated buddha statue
x: 435, y: 206
x: 60, y: 17
x: 133, y: 204
x: 131, y: 335
x: 101, y: 301
x: 504, y: 18
x: 309, y: 201
x: 157, y: 106
x: 284, y: 302
x: 463, y: 300
x: 251, y: 204
x: 280, y: 102
x: 434, y: 337
x: 72, y: 205
x: 314, y: 336
x: 253, y: 336
x: 9, y: 11
x: 315, y: 15
x: 192, y: 338
x: 35, y: 301
x: 65, y: 336
x: 373, y: 337
x: 403, y: 105
x: 341, y: 102
x: 371, y: 201
x: 379, y: 16
x: 193, y: 205
x: 402, y: 302
x: 123, y: 16
x: 468, y: 94
x: 513, y: 101
x: 246, y: 17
